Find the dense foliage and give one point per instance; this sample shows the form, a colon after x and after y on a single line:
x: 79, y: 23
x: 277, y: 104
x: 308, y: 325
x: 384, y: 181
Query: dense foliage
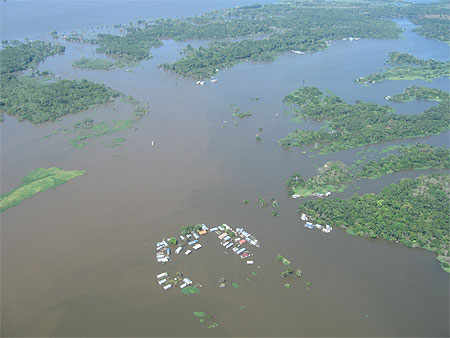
x: 409, y: 67
x: 16, y: 56
x: 413, y: 212
x: 420, y: 94
x: 300, y: 26
x: 420, y: 156
x: 362, y: 123
x: 33, y: 100
x: 333, y: 175
x: 330, y: 177
x: 86, y: 63
x: 133, y: 46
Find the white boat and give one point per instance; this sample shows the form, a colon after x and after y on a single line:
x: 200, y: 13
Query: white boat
x: 188, y: 252
x: 178, y: 250
x: 249, y: 262
x: 161, y: 275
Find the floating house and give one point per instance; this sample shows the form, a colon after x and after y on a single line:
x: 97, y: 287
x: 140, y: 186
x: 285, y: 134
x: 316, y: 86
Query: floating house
x: 162, y: 243
x: 226, y: 226
x: 309, y: 225
x: 193, y: 242
x: 226, y: 238
x: 168, y: 251
x: 161, y: 275
x: 162, y: 281
x: 196, y: 236
x: 178, y: 250
x: 197, y: 246
x: 222, y: 236
x: 213, y: 229
x: 182, y: 286
x: 188, y: 252
x: 250, y: 262
x: 202, y: 232
x: 221, y: 228
x: 204, y: 227
x: 240, y: 251
x: 229, y: 245
x: 304, y: 217
x: 182, y: 238
x: 187, y: 281
x: 168, y: 286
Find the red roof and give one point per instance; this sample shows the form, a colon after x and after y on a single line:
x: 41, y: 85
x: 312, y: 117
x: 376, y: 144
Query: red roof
x: 242, y: 241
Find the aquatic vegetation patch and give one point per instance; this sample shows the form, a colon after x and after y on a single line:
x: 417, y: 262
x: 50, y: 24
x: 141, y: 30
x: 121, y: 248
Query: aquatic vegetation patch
x: 98, y: 129
x: 243, y: 307
x: 235, y: 285
x: 39, y: 180
x: 199, y: 314
x: 190, y: 290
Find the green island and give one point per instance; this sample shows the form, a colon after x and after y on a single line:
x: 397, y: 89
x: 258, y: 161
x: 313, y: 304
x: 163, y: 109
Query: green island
x: 288, y: 26
x: 332, y: 176
x: 415, y: 93
x: 412, y: 212
x: 358, y: 124
x: 16, y: 56
x: 37, y: 181
x: 36, y: 101
x: 409, y: 67
x: 101, y: 64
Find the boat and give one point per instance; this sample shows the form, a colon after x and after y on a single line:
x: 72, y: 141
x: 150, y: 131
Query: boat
x: 309, y: 225
x: 168, y: 251
x: 188, y: 252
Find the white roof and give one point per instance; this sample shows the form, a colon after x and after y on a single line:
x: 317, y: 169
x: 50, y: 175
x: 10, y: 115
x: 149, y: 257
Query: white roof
x: 162, y: 281
x: 168, y: 286
x: 197, y: 246
x: 188, y: 252
x: 249, y: 262
x: 161, y: 275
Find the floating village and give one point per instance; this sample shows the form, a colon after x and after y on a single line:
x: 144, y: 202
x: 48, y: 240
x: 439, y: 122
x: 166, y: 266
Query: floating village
x: 234, y: 240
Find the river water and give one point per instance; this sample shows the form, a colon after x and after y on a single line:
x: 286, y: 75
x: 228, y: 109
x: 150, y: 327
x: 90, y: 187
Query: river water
x: 79, y: 260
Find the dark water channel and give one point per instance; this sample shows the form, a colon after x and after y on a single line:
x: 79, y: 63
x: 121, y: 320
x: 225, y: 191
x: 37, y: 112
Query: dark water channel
x: 79, y: 260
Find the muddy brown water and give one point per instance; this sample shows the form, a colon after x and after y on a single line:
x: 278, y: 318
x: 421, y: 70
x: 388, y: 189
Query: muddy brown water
x: 79, y: 260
